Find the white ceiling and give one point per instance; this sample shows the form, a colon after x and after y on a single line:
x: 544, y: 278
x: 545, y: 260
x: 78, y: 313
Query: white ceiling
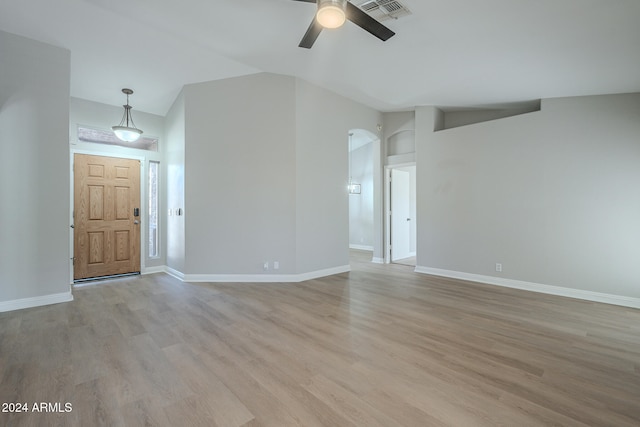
x: 447, y: 53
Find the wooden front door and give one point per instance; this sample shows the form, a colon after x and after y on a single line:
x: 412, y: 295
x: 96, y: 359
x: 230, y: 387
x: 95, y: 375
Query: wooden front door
x: 106, y: 216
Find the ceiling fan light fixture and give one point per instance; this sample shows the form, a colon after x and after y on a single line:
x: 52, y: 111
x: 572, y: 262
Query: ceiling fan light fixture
x: 124, y: 131
x: 331, y: 13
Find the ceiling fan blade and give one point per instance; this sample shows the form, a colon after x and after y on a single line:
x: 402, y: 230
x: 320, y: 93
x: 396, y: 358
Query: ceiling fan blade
x: 311, y: 35
x: 364, y: 21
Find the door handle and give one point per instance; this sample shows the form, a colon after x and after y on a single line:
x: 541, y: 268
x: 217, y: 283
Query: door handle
x: 136, y: 222
x: 408, y: 219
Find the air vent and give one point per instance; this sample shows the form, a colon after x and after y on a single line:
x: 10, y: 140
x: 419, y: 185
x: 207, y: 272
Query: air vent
x: 369, y: 6
x: 383, y: 10
x: 391, y: 6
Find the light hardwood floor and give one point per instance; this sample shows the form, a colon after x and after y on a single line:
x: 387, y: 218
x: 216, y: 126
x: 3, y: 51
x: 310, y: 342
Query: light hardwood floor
x: 379, y: 346
x: 411, y: 261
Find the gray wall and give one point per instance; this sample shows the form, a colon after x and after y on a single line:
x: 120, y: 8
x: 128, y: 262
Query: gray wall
x: 323, y: 121
x: 264, y: 161
x: 552, y: 195
x: 102, y: 116
x: 174, y: 155
x: 463, y: 117
x: 240, y: 175
x: 34, y: 169
x: 361, y: 228
x: 399, y: 126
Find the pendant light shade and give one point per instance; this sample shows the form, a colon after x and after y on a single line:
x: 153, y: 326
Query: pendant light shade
x: 331, y: 13
x: 126, y: 130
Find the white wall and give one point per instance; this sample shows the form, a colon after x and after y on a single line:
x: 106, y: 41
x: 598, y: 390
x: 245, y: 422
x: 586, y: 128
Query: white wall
x: 323, y: 121
x: 240, y: 175
x: 174, y: 159
x: 361, y: 227
x: 34, y: 172
x: 552, y: 195
x: 101, y: 116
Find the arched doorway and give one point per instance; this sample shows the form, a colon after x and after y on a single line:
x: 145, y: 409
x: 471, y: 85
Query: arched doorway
x: 365, y: 193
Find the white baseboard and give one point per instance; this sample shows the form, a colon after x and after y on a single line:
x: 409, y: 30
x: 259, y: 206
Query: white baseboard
x: 175, y: 273
x: 256, y: 278
x: 321, y: 273
x: 156, y: 269
x: 361, y: 247
x: 377, y: 260
x: 265, y: 278
x: 535, y: 287
x: 20, y: 304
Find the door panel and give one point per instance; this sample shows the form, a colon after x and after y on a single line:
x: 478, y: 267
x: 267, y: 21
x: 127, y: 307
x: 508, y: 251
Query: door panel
x: 106, y: 237
x: 400, y: 215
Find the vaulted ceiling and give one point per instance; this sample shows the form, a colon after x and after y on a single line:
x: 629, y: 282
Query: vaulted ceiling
x: 446, y: 53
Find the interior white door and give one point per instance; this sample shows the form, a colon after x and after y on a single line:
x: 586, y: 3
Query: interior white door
x: 400, y: 214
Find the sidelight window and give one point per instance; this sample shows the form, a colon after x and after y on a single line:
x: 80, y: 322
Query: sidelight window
x: 154, y: 235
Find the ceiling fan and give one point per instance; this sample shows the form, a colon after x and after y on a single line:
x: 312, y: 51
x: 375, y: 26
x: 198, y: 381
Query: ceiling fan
x: 333, y: 13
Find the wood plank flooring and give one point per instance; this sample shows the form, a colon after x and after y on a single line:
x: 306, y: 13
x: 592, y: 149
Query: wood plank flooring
x: 379, y: 346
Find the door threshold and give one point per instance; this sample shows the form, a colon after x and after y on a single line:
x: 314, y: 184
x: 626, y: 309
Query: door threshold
x: 100, y: 278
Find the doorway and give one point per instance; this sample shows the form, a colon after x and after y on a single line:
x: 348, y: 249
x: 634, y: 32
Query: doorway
x: 106, y: 216
x: 361, y: 189
x: 402, y: 215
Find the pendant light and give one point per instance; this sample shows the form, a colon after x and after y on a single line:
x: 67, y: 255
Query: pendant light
x: 124, y: 131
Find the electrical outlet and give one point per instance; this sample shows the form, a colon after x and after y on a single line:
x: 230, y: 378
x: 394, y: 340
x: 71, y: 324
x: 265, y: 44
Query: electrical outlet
x: 498, y: 267
x: 265, y: 266
x: 276, y: 265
